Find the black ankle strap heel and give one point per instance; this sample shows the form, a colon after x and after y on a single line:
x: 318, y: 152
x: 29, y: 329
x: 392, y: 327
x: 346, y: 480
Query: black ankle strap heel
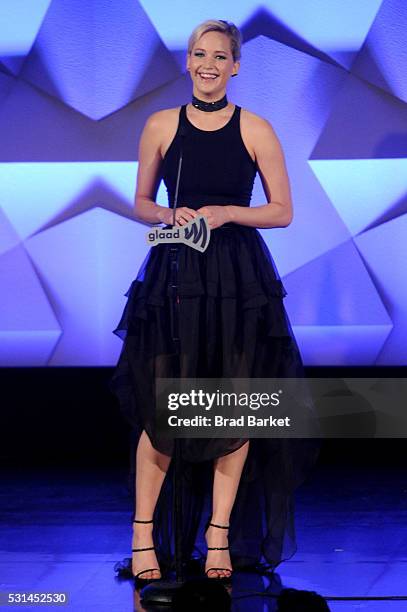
x: 140, y: 582
x: 225, y: 569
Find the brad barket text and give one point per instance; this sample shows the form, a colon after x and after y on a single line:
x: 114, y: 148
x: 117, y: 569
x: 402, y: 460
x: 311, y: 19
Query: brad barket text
x: 245, y: 420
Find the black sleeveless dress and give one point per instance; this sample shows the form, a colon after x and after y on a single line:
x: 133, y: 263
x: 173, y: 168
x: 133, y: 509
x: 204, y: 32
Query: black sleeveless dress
x: 232, y: 323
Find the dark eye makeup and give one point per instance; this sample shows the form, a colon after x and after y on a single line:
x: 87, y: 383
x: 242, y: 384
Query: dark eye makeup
x: 200, y: 53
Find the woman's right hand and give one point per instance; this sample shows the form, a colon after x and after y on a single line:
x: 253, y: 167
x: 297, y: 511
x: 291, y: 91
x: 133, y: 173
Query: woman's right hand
x: 183, y: 215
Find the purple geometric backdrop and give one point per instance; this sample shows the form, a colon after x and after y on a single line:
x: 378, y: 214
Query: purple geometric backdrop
x: 77, y: 82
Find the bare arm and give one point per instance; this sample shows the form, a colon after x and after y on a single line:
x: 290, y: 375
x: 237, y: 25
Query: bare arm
x: 278, y: 212
x: 148, y: 176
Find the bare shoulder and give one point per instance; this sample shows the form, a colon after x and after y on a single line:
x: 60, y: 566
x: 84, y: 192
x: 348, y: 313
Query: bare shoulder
x: 256, y: 125
x: 160, y: 129
x: 163, y: 119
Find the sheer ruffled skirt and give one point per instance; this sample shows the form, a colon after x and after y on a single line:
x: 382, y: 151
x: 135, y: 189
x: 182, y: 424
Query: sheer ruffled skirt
x: 231, y: 323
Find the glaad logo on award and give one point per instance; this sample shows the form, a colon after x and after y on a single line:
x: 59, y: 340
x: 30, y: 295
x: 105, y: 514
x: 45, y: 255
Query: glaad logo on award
x: 195, y: 234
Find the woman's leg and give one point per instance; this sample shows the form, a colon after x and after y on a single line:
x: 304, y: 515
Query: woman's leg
x: 151, y: 468
x: 228, y: 470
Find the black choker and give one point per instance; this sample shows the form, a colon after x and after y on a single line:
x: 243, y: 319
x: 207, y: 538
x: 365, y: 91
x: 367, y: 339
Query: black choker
x: 209, y: 107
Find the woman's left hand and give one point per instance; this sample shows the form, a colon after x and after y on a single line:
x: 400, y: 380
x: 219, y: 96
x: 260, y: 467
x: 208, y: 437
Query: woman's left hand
x: 216, y: 215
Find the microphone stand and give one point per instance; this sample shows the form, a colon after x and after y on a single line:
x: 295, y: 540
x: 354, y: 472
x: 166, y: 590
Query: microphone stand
x: 162, y: 591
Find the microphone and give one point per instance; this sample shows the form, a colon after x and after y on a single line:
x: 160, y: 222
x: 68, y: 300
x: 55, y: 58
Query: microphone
x: 182, y: 132
x: 195, y: 233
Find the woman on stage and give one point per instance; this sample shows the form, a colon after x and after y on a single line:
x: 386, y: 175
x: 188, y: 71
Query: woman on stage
x: 232, y: 323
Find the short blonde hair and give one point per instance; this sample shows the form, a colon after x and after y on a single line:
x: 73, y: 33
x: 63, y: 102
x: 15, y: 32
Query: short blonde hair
x: 218, y: 25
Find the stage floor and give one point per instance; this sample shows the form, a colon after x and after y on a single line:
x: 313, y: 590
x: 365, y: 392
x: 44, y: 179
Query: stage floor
x: 65, y: 531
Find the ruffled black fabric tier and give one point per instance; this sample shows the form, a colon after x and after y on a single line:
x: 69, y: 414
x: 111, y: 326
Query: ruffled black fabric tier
x: 236, y: 266
x: 232, y: 323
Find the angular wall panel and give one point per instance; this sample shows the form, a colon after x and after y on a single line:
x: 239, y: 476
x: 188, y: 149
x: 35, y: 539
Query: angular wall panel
x: 384, y: 250
x: 337, y: 314
x: 37, y: 196
x: 9, y: 238
x: 362, y: 190
x: 383, y: 57
x: 364, y: 123
x: 97, y: 56
x: 20, y: 21
x: 99, y: 256
x: 59, y: 133
x: 29, y: 328
x: 338, y: 28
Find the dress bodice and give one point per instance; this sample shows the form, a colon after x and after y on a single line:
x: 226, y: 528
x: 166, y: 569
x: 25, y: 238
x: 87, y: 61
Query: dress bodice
x: 216, y: 168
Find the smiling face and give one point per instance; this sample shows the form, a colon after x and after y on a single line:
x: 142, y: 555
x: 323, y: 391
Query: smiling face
x: 210, y: 65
